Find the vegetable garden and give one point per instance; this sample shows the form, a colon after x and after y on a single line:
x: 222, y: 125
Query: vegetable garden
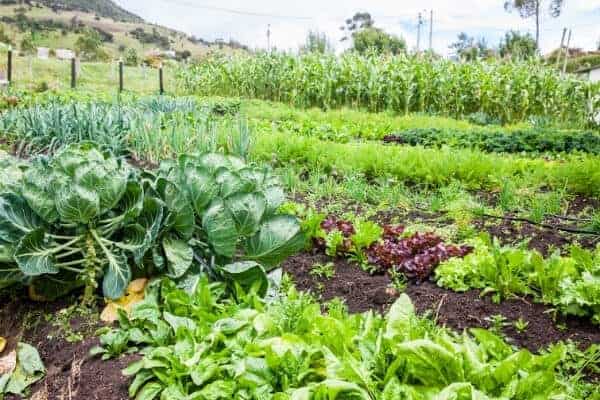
x: 402, y: 241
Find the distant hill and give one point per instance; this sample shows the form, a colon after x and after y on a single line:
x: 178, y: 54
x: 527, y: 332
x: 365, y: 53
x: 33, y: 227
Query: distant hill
x: 61, y: 23
x: 102, y: 8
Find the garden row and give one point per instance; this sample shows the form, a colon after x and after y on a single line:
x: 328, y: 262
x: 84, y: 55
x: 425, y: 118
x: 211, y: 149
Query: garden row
x: 77, y: 214
x: 504, y: 91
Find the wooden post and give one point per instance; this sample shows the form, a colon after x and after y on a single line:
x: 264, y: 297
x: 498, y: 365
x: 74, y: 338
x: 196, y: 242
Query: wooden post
x: 120, y: 76
x: 160, y: 80
x: 73, y: 73
x: 9, y: 67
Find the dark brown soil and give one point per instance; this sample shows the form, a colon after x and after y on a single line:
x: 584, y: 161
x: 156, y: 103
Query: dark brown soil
x: 541, y: 239
x: 70, y: 372
x: 362, y: 291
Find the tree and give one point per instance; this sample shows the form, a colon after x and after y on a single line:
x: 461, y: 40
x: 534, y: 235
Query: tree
x: 89, y: 44
x: 4, y: 37
x: 316, y: 42
x: 375, y: 39
x: 131, y: 57
x: 532, y: 8
x: 468, y: 49
x: 27, y: 46
x: 517, y: 45
x: 366, y: 37
x: 360, y: 20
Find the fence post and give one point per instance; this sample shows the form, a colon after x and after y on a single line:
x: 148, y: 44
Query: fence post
x: 120, y: 76
x: 9, y: 67
x: 160, y: 80
x: 73, y: 73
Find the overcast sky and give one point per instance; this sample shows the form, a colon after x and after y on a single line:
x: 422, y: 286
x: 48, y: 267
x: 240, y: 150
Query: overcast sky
x: 290, y: 21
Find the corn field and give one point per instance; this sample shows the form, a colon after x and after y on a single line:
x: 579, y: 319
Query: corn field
x: 509, y: 91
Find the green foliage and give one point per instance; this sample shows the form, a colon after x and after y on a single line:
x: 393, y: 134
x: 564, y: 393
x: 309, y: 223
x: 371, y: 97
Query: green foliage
x: 89, y: 45
x: 378, y: 41
x: 324, y: 271
x: 131, y: 57
x: 317, y: 42
x: 429, y: 167
x: 570, y: 283
x: 27, y: 370
x: 517, y: 46
x: 197, y: 346
x: 84, y: 215
x: 45, y: 128
x: 518, y: 141
x: 466, y: 48
x: 398, y: 83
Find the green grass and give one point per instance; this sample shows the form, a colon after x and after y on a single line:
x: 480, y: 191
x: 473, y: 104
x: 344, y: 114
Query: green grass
x: 30, y: 73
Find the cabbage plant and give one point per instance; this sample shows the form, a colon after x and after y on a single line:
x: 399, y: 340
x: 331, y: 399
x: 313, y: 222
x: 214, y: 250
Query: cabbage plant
x: 222, y: 213
x: 65, y: 225
x: 83, y: 216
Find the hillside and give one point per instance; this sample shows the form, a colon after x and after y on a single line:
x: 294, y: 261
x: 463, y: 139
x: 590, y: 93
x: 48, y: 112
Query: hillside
x: 60, y: 24
x: 102, y: 8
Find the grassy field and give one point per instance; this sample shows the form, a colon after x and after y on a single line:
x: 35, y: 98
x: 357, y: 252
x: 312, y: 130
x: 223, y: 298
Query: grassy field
x: 31, y: 73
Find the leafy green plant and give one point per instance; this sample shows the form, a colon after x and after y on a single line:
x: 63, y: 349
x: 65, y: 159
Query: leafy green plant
x: 396, y: 83
x: 83, y: 215
x: 521, y: 325
x: 211, y: 348
x: 570, y: 283
x: 324, y: 271
x: 22, y: 368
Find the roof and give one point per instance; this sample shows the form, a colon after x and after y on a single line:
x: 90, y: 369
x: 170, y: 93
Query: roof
x: 587, y: 69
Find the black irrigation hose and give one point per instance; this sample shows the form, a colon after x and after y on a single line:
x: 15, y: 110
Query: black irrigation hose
x: 529, y: 221
x: 547, y: 226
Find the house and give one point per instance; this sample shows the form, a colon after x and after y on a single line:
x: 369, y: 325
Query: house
x: 64, y: 54
x: 43, y: 53
x: 590, y: 73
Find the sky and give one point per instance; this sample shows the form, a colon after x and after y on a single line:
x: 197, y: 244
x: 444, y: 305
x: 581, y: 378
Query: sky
x: 290, y: 21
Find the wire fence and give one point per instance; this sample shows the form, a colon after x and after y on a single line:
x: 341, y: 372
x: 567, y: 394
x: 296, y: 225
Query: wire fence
x: 37, y: 74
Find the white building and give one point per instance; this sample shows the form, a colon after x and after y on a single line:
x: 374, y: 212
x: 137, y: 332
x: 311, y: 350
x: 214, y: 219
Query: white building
x: 64, y: 54
x: 43, y: 53
x: 590, y: 73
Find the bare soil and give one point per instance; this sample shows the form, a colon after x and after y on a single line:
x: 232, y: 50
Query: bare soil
x: 70, y: 372
x: 362, y: 291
